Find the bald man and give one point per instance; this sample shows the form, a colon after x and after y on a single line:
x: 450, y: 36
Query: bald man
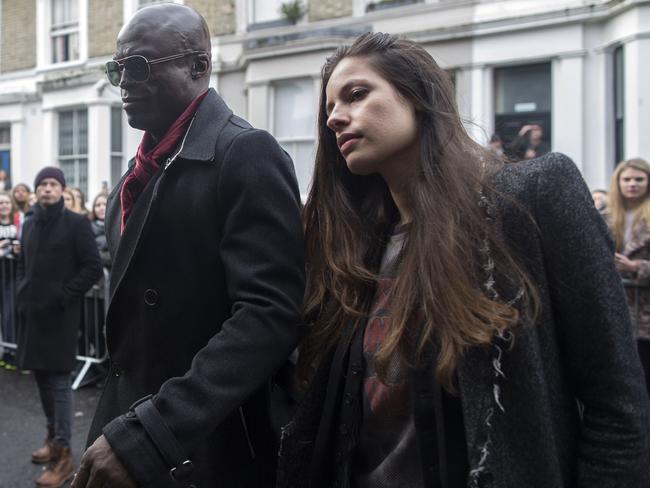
x: 207, y: 283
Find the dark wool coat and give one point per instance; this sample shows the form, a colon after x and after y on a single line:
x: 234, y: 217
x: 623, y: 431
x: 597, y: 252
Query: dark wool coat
x: 564, y: 404
x: 206, y: 299
x: 57, y: 265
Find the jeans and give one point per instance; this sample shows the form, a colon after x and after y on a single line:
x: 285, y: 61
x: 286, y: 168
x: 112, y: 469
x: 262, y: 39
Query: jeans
x: 56, y: 396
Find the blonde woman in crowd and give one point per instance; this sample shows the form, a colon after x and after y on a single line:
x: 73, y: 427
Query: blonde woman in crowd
x: 69, y: 199
x: 629, y: 219
x: 79, y: 201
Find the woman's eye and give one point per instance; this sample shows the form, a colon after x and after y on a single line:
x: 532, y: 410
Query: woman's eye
x: 357, y: 94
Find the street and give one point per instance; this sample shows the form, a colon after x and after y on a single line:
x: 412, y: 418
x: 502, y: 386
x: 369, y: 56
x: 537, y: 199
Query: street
x: 22, y: 427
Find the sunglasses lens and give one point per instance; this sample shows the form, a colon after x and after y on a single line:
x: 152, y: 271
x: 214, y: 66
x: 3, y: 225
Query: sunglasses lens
x: 113, y: 73
x: 137, y: 68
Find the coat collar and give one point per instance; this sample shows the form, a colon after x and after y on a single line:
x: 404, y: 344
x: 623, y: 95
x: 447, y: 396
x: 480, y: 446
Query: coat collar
x: 198, y: 144
x: 201, y: 139
x: 640, y: 238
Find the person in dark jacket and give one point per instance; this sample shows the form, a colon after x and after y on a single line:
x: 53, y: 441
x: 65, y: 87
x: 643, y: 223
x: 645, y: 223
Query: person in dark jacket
x: 57, y: 264
x: 207, y: 280
x: 466, y: 324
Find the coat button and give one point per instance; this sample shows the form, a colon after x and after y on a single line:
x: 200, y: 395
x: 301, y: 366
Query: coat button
x: 151, y: 297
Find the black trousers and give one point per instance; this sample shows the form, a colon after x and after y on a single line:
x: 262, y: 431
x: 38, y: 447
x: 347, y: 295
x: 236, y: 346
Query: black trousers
x: 644, y: 354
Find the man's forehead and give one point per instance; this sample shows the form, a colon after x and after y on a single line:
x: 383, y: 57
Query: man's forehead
x: 150, y: 43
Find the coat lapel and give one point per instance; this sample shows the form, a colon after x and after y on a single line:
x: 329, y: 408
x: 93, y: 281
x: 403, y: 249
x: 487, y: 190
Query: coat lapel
x: 114, y: 214
x: 640, y: 238
x: 133, y: 230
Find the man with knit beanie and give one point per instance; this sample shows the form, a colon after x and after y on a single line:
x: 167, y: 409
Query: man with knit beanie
x: 58, y: 263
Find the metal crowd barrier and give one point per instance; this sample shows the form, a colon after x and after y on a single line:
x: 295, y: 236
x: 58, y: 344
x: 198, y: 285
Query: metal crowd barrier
x: 91, y: 343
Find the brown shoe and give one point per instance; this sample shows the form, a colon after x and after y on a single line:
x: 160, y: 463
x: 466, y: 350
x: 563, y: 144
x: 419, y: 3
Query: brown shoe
x: 42, y: 455
x: 59, y: 470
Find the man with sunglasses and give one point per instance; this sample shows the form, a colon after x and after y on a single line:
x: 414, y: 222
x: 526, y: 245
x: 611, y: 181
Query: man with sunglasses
x: 207, y: 282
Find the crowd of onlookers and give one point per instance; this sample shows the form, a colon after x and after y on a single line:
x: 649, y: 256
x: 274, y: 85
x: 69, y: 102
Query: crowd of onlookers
x: 16, y: 206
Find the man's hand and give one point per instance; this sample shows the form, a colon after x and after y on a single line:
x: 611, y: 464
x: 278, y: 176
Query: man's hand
x: 623, y: 263
x: 100, y: 468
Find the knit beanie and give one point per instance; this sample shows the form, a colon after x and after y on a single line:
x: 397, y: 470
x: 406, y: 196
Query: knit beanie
x: 49, y: 172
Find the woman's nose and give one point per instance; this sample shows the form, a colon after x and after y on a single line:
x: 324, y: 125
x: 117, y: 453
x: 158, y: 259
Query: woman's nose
x: 336, y: 120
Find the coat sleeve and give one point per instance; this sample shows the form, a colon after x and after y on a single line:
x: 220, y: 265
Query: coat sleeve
x: 643, y: 274
x: 88, y: 263
x: 595, y: 332
x: 262, y: 253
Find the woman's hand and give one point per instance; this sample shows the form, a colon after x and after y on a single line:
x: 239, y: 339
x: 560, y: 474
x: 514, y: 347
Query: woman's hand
x: 623, y: 263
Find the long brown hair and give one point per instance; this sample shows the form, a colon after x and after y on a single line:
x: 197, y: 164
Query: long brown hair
x: 617, y: 209
x: 442, y: 264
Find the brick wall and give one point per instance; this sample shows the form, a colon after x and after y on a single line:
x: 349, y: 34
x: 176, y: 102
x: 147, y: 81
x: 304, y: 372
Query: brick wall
x: 18, y: 41
x: 105, y: 19
x: 329, y: 9
x: 219, y: 14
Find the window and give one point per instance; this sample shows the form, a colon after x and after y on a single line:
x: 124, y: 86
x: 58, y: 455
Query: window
x: 522, y: 96
x: 116, y: 145
x: 73, y: 147
x: 294, y: 122
x: 372, y: 5
x: 65, y: 30
x: 265, y: 11
x: 144, y: 3
x: 5, y: 151
x: 619, y: 105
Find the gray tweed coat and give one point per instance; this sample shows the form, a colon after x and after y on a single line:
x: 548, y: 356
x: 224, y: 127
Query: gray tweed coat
x: 565, y: 405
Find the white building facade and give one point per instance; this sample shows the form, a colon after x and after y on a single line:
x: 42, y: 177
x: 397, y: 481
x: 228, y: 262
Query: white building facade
x: 579, y: 68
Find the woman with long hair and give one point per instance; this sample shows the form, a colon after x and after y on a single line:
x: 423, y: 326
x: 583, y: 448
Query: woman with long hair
x: 629, y: 217
x: 69, y: 199
x: 466, y: 324
x: 8, y: 236
x: 79, y: 200
x: 97, y: 215
x: 20, y: 196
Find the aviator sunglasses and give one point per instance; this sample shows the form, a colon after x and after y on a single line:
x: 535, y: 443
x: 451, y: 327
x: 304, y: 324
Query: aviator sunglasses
x: 137, y: 66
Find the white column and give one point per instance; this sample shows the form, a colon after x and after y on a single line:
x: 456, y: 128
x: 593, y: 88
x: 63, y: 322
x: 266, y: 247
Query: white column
x: 481, y: 107
x: 598, y: 136
x: 568, y: 108
x: 50, y: 143
x: 259, y: 104
x: 99, y: 147
x: 637, y: 99
x: 18, y: 162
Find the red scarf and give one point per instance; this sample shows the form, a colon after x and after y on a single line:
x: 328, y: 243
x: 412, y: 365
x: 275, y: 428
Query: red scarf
x: 148, y: 162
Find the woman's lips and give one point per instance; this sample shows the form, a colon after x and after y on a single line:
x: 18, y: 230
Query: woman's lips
x: 348, y: 145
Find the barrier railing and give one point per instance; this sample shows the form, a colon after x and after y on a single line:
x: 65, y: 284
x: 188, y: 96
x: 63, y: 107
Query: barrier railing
x: 91, y: 343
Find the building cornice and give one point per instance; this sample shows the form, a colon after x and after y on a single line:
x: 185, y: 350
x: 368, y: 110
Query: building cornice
x: 328, y: 34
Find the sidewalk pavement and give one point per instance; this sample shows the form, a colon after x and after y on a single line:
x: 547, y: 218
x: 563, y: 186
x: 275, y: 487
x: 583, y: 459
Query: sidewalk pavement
x: 22, y: 427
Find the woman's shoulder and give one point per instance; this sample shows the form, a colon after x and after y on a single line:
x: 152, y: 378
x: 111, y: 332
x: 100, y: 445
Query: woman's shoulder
x: 549, y: 169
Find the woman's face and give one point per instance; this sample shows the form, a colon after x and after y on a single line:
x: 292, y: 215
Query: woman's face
x: 100, y: 208
x: 633, y: 184
x: 21, y: 194
x: 68, y: 200
x: 5, y: 206
x: 77, y: 196
x: 375, y: 127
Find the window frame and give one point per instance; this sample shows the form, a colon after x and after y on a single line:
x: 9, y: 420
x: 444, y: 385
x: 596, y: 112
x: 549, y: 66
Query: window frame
x: 76, y: 157
x: 287, y: 141
x: 68, y: 28
x: 618, y: 65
